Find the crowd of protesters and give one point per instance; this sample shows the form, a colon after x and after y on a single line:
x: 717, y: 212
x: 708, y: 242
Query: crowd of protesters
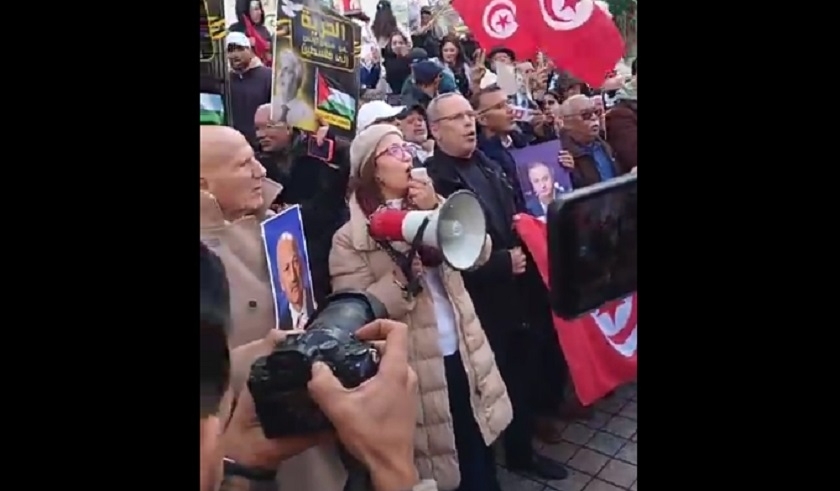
x: 481, y: 352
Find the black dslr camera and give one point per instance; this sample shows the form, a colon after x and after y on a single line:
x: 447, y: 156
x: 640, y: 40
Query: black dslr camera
x: 278, y: 381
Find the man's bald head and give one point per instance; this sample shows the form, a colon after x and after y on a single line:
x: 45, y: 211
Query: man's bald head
x: 218, y: 144
x: 229, y: 171
x: 272, y: 135
x: 263, y: 112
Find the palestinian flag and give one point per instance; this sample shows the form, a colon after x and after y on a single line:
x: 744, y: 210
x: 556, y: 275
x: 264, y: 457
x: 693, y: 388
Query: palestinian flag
x: 332, y: 100
x: 212, y: 109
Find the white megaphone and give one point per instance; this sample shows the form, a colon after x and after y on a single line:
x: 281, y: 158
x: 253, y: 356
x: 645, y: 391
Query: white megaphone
x: 457, y: 228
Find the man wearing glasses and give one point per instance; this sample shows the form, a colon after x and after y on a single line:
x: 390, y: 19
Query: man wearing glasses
x: 580, y: 135
x: 505, y: 291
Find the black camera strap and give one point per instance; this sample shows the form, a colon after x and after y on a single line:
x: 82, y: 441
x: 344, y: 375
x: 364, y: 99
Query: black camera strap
x: 413, y: 287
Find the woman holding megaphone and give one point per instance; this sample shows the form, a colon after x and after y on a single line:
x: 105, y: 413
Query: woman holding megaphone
x: 464, y: 402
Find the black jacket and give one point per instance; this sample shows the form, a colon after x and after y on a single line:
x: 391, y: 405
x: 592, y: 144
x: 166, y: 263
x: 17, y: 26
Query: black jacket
x: 492, y: 287
x: 319, y: 188
x: 504, y: 303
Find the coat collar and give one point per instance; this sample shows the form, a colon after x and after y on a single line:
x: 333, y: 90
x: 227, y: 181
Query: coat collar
x: 578, y: 150
x: 211, y: 214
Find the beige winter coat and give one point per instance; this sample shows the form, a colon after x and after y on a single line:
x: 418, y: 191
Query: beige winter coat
x: 357, y: 263
x: 240, y: 247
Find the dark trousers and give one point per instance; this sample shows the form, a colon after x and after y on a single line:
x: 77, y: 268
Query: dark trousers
x: 475, y: 459
x: 515, y: 359
x: 551, y: 374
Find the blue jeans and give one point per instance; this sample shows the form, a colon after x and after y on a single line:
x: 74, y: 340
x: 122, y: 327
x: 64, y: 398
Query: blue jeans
x: 476, y: 460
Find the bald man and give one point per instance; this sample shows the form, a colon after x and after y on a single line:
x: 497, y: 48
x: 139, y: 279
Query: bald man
x: 234, y: 200
x: 293, y: 282
x: 593, y: 157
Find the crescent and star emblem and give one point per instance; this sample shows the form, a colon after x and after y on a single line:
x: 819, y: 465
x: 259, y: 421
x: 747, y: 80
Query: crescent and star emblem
x: 499, y: 19
x: 619, y: 328
x: 565, y: 15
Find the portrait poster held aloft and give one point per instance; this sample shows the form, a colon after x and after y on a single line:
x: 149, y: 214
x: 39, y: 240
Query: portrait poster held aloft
x: 540, y: 175
x: 288, y: 267
x: 316, y: 53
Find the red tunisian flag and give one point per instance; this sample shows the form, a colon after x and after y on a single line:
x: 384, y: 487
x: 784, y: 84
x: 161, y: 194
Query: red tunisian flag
x: 497, y: 23
x: 578, y: 35
x: 600, y: 346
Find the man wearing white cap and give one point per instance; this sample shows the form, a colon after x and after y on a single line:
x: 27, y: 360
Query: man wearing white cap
x: 375, y: 112
x: 250, y: 84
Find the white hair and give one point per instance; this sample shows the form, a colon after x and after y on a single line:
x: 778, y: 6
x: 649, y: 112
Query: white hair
x: 286, y: 236
x: 433, y: 112
x: 566, y: 107
x: 288, y: 58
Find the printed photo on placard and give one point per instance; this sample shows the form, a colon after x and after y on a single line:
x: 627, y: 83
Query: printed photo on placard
x: 542, y: 178
x: 288, y: 266
x: 315, y: 74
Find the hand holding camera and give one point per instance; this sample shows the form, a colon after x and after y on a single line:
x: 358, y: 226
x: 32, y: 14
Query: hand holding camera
x: 376, y: 420
x: 243, y: 439
x: 371, y: 402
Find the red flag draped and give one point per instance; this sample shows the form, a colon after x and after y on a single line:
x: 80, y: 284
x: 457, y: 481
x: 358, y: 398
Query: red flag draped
x: 599, y: 347
x: 497, y: 23
x: 579, y: 36
x: 261, y: 47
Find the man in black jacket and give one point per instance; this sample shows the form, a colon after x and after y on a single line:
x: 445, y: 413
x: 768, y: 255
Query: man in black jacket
x: 317, y: 186
x: 506, y: 291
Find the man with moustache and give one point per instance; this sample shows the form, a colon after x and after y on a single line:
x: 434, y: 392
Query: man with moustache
x: 508, y: 294
x: 317, y: 186
x: 580, y: 135
x: 293, y: 282
x: 234, y: 199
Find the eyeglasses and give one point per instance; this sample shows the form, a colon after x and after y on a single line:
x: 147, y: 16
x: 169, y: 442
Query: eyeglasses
x: 399, y: 152
x: 457, y: 117
x: 588, y: 114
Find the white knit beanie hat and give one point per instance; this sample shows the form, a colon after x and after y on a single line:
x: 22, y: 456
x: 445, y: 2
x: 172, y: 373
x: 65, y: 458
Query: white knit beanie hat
x: 364, y: 145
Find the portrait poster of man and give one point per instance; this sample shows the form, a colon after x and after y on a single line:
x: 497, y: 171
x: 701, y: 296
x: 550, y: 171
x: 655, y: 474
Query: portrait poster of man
x: 315, y: 76
x: 288, y: 266
x: 540, y: 175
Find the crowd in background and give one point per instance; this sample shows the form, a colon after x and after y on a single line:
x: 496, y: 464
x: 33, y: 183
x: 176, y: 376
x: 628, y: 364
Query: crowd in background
x: 482, y: 343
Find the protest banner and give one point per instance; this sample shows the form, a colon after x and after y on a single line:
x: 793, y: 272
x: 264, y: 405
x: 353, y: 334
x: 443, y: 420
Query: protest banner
x: 212, y: 62
x: 288, y: 268
x: 541, y: 177
x: 600, y: 347
x: 315, y: 69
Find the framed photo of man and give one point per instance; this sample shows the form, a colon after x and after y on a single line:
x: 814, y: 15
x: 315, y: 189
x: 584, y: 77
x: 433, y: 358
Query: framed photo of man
x: 288, y: 267
x: 540, y: 175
